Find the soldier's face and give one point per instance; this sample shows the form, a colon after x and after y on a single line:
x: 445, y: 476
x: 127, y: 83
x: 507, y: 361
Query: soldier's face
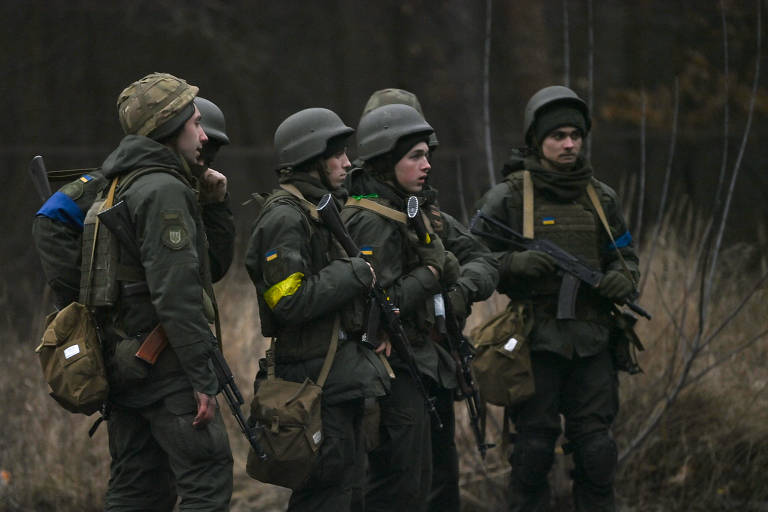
x: 189, y: 143
x: 336, y: 168
x: 561, y: 147
x: 412, y: 170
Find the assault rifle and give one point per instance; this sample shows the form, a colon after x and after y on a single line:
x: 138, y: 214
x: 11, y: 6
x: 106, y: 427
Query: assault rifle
x: 118, y: 220
x: 573, y: 270
x: 461, y: 349
x: 381, y: 306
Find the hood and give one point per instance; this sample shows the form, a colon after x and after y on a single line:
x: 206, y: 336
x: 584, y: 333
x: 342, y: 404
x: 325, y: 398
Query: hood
x: 135, y: 152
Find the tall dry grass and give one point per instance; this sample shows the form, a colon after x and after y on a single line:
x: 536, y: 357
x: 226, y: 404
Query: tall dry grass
x: 708, y: 452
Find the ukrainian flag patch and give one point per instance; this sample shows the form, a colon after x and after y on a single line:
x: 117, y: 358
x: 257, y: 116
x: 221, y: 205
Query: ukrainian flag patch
x: 366, y: 250
x: 548, y: 221
x: 85, y: 178
x: 271, y: 255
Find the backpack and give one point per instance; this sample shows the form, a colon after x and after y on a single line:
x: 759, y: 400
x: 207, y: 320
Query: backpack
x: 79, y: 258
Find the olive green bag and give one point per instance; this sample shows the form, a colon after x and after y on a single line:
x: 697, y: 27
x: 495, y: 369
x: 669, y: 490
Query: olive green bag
x: 72, y: 362
x: 289, y: 424
x: 502, y: 364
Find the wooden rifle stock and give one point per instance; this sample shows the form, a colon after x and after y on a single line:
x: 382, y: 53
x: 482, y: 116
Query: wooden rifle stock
x: 153, y: 345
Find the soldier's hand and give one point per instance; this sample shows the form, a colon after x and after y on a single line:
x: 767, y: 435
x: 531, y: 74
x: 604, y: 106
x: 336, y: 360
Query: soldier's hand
x: 531, y: 263
x: 451, y: 270
x: 615, y: 286
x: 458, y: 303
x: 213, y: 187
x: 206, y: 409
x: 432, y: 255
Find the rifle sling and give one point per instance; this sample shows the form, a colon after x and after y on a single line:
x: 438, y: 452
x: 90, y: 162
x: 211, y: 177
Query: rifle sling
x: 308, y: 206
x: 375, y: 207
x: 592, y: 193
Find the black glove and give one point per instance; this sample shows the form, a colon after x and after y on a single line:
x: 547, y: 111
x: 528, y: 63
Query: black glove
x: 615, y: 286
x: 451, y: 270
x: 432, y: 254
x: 531, y: 263
x: 458, y: 303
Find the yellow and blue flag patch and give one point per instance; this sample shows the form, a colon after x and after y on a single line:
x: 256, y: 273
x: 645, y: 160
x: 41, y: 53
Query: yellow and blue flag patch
x: 85, y: 178
x: 366, y: 250
x: 271, y: 255
x: 548, y: 221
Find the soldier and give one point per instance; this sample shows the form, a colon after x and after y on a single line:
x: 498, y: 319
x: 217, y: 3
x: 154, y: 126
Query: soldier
x: 572, y: 364
x: 217, y: 215
x: 392, y: 143
x: 477, y: 280
x: 306, y: 286
x: 166, y: 435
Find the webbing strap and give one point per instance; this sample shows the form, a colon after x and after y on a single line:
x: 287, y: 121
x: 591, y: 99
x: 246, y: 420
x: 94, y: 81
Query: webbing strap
x: 382, y: 210
x: 327, y: 363
x: 310, y: 207
x: 592, y: 193
x: 527, y: 205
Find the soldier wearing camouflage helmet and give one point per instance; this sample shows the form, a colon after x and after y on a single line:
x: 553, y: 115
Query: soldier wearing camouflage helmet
x: 166, y: 434
x: 476, y: 281
x: 310, y: 293
x: 572, y: 363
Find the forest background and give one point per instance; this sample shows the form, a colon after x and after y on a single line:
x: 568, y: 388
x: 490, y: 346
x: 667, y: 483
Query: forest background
x: 677, y: 91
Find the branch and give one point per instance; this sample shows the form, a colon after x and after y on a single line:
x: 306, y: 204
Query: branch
x: 728, y: 355
x: 486, y: 93
x: 460, y: 187
x: 665, y: 188
x: 737, y: 164
x: 566, y: 47
x: 641, y: 191
x: 590, y: 66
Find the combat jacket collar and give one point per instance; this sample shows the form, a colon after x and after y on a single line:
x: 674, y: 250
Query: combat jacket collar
x: 136, y: 151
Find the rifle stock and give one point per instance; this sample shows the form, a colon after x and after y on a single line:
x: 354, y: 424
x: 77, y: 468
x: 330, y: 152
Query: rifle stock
x: 390, y: 313
x: 40, y: 177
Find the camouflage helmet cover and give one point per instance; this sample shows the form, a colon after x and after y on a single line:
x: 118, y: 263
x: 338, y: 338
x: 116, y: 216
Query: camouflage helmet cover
x: 305, y: 135
x: 393, y: 96
x: 213, y: 122
x: 149, y: 102
x: 548, y: 96
x: 381, y: 128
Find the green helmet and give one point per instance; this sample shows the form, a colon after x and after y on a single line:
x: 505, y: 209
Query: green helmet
x: 381, y: 128
x: 305, y: 135
x: 212, y: 120
x: 549, y: 96
x: 153, y: 105
x: 398, y: 96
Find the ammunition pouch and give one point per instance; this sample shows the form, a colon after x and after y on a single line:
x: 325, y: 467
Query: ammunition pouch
x: 624, y: 342
x: 71, y: 357
x: 502, y: 363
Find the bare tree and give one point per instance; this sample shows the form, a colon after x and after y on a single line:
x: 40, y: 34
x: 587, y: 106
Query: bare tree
x: 486, y: 94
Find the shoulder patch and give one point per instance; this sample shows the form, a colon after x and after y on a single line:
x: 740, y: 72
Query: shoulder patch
x: 73, y: 189
x: 271, y: 255
x: 174, y: 234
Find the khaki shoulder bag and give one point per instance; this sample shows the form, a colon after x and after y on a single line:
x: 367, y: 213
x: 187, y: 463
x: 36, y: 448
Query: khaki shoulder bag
x: 70, y: 351
x: 289, y: 422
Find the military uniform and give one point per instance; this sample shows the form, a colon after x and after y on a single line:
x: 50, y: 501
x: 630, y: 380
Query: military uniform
x: 400, y: 467
x: 572, y: 365
x: 477, y: 281
x: 156, y: 453
x: 305, y: 283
